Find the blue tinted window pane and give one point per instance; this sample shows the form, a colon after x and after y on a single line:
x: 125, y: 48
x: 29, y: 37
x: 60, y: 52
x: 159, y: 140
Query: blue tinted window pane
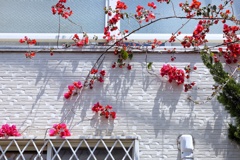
x: 170, y: 25
x: 35, y: 16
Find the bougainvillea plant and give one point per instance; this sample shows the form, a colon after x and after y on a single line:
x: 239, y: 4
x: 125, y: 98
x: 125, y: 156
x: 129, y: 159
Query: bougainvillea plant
x: 60, y: 130
x: 95, y: 74
x: 80, y: 42
x: 178, y: 75
x: 104, y: 111
x: 9, y: 130
x: 206, y: 16
x: 61, y: 9
x: 28, y: 41
x: 173, y: 73
x: 73, y: 89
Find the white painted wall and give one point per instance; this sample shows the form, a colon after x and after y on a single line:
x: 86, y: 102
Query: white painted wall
x: 31, y: 94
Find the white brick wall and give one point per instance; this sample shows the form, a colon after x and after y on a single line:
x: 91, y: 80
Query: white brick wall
x: 31, y: 94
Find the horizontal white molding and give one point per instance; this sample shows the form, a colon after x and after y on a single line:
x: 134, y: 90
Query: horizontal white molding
x: 66, y: 37
x: 44, y: 37
x: 33, y: 137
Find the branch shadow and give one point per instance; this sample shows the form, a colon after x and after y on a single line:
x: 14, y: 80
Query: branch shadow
x: 161, y: 101
x: 102, y: 125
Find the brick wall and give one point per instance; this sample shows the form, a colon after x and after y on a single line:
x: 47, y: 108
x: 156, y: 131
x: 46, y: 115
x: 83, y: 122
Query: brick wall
x: 31, y: 96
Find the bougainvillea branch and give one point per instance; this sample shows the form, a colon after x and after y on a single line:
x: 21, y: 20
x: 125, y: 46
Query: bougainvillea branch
x: 104, y: 111
x: 207, y: 16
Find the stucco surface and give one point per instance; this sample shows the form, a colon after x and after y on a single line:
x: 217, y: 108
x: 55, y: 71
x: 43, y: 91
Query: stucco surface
x: 31, y: 96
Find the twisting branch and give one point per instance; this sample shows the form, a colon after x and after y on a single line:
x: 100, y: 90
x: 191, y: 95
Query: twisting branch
x: 143, y: 26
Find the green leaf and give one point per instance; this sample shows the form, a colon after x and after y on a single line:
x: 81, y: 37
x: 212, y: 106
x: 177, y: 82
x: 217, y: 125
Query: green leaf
x: 211, y: 54
x: 199, y: 13
x: 127, y: 16
x: 211, y: 59
x: 124, y: 54
x: 119, y: 60
x: 130, y: 56
x: 149, y: 66
x: 214, y: 7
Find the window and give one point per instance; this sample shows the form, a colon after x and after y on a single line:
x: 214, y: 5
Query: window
x: 34, y: 19
x: 57, y: 149
x: 164, y: 28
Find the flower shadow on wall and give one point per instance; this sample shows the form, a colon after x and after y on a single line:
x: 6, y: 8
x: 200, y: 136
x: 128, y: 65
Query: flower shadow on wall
x: 103, y: 119
x: 121, y: 86
x: 166, y: 100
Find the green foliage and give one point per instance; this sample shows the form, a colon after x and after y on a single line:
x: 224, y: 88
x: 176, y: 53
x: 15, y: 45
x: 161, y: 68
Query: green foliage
x: 124, y: 54
x: 149, y: 65
x: 229, y: 95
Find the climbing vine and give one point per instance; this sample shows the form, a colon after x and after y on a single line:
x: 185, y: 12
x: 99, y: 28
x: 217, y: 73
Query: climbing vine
x: 228, y: 90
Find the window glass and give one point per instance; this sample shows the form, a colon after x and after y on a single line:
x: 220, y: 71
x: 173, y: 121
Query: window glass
x: 29, y: 155
x: 170, y: 25
x: 35, y: 16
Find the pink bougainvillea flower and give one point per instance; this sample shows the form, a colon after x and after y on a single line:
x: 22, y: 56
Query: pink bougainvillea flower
x: 108, y: 107
x: 103, y: 72
x: 7, y: 130
x: 67, y: 95
x: 100, y: 79
x: 173, y: 73
x: 21, y: 41
x: 129, y: 67
x: 104, y: 111
x: 59, y: 130
x: 71, y: 87
x: 113, y: 114
x: 77, y: 84
x: 94, y: 71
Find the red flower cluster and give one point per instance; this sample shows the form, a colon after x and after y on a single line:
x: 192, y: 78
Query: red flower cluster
x: 173, y: 73
x: 188, y: 70
x: 8, y: 130
x: 189, y: 86
x: 113, y: 21
x: 80, y: 42
x: 28, y: 41
x: 190, y: 9
x: 121, y: 5
x: 232, y: 52
x: 152, y: 5
x: 104, y: 111
x: 99, y: 77
x: 73, y: 89
x: 60, y: 9
x: 29, y: 54
x: 195, y: 4
x: 199, y: 34
x: 59, y: 130
x: 156, y: 43
x: 144, y: 14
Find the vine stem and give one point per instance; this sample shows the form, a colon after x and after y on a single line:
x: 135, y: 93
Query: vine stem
x: 218, y: 89
x: 102, y: 56
x: 139, y: 28
x: 59, y: 29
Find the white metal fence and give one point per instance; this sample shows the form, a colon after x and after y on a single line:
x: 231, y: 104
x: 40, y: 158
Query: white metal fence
x: 73, y: 149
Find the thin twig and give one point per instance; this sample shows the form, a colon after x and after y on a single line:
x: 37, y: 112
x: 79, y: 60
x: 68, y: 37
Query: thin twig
x: 173, y: 9
x: 59, y: 29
